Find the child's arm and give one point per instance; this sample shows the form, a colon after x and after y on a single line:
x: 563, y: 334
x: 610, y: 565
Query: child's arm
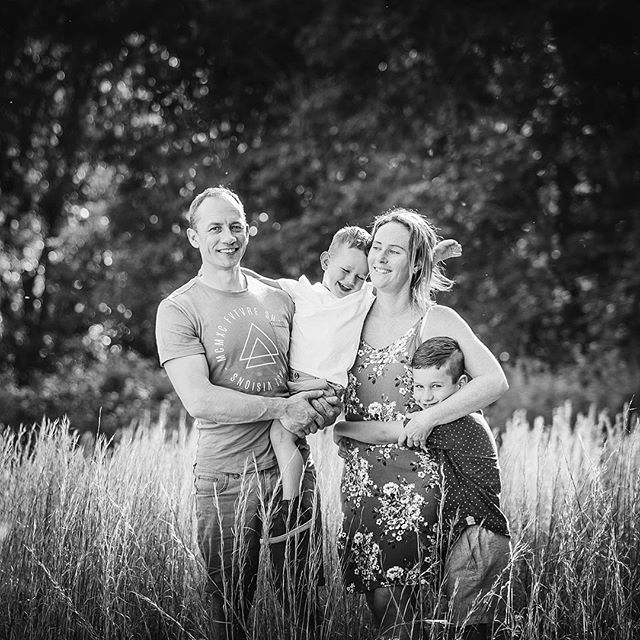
x: 369, y: 431
x: 446, y: 249
x: 270, y: 281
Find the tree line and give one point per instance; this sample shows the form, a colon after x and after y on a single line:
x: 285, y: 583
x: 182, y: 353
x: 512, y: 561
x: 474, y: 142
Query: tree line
x: 514, y: 128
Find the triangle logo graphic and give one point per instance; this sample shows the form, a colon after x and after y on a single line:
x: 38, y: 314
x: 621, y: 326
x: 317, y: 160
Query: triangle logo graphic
x: 258, y: 350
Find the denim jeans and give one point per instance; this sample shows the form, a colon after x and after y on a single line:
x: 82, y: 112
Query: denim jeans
x: 230, y: 509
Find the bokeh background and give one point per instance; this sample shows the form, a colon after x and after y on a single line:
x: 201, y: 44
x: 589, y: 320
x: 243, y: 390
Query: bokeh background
x: 513, y: 126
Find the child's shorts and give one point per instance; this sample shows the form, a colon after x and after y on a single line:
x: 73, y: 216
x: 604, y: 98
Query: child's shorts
x: 300, y: 381
x: 476, y: 578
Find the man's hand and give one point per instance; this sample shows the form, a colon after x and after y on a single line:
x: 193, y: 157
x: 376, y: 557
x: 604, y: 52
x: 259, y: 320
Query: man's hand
x: 329, y: 408
x: 299, y: 416
x: 417, y: 430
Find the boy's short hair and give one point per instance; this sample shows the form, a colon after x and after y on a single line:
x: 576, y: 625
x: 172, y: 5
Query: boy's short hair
x: 438, y: 352
x: 352, y: 237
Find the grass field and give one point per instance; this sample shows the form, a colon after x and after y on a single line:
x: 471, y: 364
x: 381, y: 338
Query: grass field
x: 101, y: 545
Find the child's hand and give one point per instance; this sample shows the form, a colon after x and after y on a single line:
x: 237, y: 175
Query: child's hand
x: 341, y: 441
x: 446, y: 249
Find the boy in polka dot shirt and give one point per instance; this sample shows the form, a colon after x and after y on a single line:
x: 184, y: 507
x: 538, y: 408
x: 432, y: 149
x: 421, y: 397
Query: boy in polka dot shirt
x: 477, y: 560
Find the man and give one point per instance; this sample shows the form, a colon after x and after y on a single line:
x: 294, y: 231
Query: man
x: 223, y: 339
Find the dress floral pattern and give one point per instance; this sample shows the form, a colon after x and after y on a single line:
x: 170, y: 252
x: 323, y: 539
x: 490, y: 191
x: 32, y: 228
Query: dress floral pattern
x: 389, y: 493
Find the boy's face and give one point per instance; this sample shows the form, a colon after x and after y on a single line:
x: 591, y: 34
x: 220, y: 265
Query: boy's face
x: 432, y: 385
x: 345, y: 270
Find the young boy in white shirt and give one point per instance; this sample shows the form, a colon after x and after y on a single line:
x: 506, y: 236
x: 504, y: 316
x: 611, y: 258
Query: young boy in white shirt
x: 325, y: 334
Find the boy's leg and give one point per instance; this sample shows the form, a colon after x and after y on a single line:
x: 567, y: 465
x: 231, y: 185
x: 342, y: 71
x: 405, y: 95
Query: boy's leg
x: 289, y: 459
x: 296, y: 555
x: 476, y: 572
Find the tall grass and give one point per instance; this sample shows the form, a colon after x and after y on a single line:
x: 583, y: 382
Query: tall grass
x: 101, y: 544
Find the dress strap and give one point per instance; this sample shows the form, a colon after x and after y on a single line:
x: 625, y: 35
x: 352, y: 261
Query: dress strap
x: 423, y: 324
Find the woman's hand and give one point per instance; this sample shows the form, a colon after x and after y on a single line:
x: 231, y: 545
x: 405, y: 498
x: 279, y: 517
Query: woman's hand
x: 417, y: 430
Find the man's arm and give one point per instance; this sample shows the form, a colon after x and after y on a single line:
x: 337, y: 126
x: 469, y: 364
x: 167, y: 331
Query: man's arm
x: 189, y: 376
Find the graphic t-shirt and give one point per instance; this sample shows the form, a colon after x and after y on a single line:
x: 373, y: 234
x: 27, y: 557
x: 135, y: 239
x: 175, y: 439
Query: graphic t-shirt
x: 244, y: 336
x: 466, y: 450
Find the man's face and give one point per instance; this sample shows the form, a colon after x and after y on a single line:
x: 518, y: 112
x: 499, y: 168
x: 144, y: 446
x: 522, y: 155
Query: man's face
x: 432, y: 385
x: 221, y: 233
x: 345, y: 270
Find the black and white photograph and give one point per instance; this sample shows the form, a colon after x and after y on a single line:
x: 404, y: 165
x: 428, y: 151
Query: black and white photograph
x: 319, y: 320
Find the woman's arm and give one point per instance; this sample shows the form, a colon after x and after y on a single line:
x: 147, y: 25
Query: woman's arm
x: 369, y: 431
x: 487, y: 383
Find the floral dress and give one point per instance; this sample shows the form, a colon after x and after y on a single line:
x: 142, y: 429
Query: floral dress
x: 389, y: 493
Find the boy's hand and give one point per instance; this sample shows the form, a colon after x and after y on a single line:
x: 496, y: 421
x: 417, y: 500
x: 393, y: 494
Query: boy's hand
x: 446, y: 249
x: 416, y: 431
x: 341, y: 441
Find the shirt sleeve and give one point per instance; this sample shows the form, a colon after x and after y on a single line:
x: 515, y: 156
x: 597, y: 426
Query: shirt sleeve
x: 176, y: 334
x: 447, y: 436
x: 289, y: 286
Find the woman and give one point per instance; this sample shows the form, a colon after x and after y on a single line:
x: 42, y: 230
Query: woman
x: 390, y: 492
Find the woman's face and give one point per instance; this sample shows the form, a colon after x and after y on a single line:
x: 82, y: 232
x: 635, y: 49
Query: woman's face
x: 389, y: 258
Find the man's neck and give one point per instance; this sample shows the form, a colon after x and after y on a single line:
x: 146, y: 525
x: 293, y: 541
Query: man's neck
x: 223, y: 279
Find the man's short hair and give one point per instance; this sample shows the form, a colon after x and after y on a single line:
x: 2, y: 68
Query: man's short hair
x: 438, y: 352
x: 352, y: 237
x: 212, y: 192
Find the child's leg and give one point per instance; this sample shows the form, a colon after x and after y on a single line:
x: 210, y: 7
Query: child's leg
x: 289, y: 458
x: 476, y: 574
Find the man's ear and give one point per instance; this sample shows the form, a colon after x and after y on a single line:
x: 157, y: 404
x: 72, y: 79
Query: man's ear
x: 324, y: 260
x: 462, y: 380
x: 193, y: 238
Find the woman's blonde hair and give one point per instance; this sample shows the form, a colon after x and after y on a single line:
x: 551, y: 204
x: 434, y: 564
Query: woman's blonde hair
x: 426, y: 277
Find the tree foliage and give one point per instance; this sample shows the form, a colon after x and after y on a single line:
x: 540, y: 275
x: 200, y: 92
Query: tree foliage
x: 515, y: 129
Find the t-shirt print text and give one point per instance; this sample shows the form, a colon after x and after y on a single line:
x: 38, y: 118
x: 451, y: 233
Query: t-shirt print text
x: 259, y: 365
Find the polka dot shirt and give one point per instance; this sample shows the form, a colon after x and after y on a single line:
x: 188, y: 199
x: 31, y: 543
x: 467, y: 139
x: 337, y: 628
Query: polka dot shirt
x: 467, y: 453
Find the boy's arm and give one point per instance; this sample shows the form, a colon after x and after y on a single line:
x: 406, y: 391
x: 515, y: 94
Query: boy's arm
x: 270, y: 281
x: 369, y: 431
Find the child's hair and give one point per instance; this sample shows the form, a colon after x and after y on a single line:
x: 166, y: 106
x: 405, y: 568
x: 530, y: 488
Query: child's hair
x: 351, y: 237
x: 212, y: 192
x: 438, y: 352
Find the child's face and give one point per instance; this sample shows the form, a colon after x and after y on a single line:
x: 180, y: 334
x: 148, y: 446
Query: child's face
x: 345, y: 270
x: 432, y: 385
